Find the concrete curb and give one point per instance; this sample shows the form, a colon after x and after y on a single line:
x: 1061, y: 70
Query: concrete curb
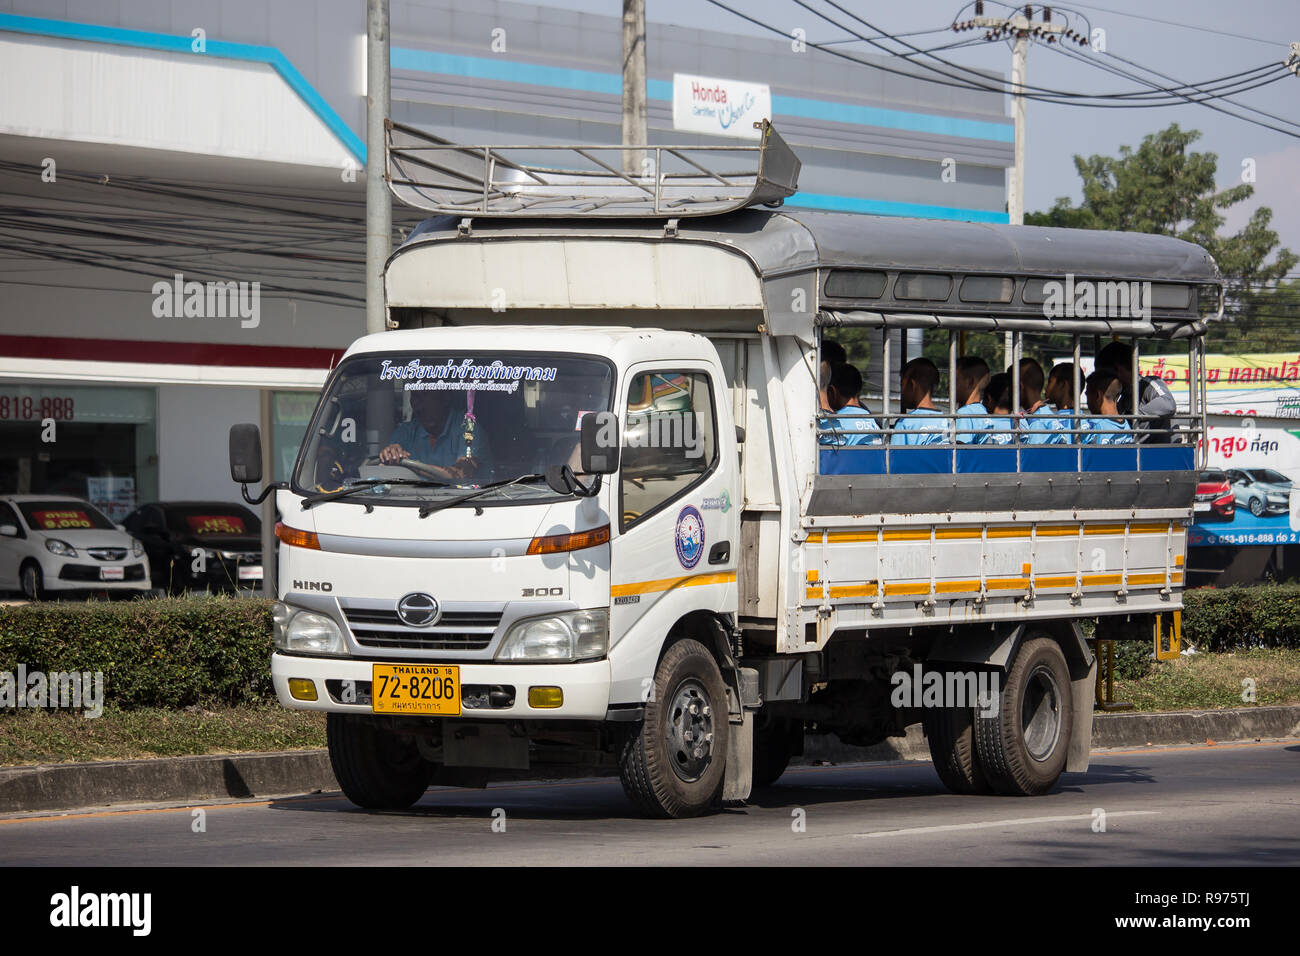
x: 165, y: 780
x: 181, y: 779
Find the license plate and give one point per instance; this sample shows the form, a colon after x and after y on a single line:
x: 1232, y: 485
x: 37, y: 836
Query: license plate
x: 250, y: 572
x: 112, y: 574
x: 420, y: 689
x: 1201, y: 506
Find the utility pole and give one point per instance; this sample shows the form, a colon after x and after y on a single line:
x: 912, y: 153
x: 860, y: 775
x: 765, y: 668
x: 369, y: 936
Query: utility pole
x: 379, y: 204
x: 634, y: 123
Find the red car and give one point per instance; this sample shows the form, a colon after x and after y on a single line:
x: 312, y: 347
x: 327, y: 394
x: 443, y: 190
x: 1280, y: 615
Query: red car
x: 1214, y: 498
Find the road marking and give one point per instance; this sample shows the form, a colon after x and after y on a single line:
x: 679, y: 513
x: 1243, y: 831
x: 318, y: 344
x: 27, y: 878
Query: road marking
x: 994, y: 824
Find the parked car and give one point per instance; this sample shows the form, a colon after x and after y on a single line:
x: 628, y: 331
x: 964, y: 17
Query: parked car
x: 200, y: 545
x: 54, y: 544
x: 1262, y: 490
x: 1214, y: 497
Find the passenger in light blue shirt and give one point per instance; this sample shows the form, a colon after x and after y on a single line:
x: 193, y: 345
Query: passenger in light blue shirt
x: 924, y: 424
x: 1002, y: 424
x: 1105, y: 427
x: 853, y: 424
x: 972, y: 377
x: 1049, y: 423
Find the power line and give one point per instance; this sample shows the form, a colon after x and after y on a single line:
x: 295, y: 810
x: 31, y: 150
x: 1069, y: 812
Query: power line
x: 1174, y: 23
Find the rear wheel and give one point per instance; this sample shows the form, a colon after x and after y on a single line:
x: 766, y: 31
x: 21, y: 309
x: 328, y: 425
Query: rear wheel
x: 672, y: 763
x: 950, y: 731
x: 377, y: 768
x: 1023, y: 747
x: 32, y: 581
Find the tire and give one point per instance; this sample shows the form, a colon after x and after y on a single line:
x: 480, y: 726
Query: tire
x: 950, y: 732
x: 775, y: 741
x: 1257, y: 507
x: 663, y: 773
x: 1023, y: 748
x: 32, y: 581
x: 376, y: 768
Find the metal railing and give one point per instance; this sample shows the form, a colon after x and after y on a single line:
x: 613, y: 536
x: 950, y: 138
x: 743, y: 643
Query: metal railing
x: 433, y: 174
x: 1080, y: 446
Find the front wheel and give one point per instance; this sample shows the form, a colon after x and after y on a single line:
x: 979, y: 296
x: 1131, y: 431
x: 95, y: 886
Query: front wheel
x: 377, y: 768
x: 672, y: 764
x: 1257, y: 507
x: 1023, y: 747
x: 33, y: 583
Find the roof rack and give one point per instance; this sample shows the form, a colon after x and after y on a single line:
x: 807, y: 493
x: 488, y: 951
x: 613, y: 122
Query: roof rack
x: 430, y: 173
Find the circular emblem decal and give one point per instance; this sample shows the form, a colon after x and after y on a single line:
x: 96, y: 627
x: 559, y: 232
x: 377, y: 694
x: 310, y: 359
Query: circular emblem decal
x: 418, y: 609
x: 689, y: 537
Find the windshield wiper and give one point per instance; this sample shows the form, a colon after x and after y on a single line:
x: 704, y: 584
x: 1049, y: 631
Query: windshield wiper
x: 367, y: 484
x: 478, y: 492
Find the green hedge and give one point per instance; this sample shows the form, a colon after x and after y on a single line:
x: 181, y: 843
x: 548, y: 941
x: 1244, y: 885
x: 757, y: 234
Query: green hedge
x: 1239, y: 618
x: 169, y: 652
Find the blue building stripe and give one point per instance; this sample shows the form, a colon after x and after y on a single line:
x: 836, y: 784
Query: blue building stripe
x: 147, y: 40
x: 883, y: 207
x: 611, y: 84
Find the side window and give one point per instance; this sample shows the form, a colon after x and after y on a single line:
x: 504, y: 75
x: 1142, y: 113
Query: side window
x: 9, y: 516
x: 669, y: 440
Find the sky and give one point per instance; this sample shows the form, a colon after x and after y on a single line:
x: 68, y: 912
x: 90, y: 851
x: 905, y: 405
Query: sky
x: 1199, y: 40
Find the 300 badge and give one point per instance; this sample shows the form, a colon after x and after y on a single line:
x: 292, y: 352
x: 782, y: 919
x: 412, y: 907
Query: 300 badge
x: 416, y: 689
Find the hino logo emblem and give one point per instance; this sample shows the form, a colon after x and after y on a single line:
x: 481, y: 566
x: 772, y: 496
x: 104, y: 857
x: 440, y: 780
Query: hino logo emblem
x: 418, y: 609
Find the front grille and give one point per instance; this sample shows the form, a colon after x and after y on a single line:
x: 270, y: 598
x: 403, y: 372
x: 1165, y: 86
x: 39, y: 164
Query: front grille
x: 89, y: 573
x: 107, y: 554
x: 455, y: 631
x: 426, y: 640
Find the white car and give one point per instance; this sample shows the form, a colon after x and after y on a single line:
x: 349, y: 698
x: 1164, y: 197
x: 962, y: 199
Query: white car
x: 51, y: 544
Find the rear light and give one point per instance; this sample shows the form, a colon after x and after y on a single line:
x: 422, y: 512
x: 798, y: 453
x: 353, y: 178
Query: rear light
x: 297, y: 537
x: 557, y: 543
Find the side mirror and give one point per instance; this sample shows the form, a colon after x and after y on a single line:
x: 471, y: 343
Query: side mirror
x: 600, y: 443
x: 9, y: 530
x: 245, y: 454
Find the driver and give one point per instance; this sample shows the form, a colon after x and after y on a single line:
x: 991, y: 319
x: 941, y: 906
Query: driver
x: 435, y: 436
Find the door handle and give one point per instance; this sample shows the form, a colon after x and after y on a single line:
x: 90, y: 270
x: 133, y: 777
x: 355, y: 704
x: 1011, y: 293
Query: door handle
x: 720, y: 553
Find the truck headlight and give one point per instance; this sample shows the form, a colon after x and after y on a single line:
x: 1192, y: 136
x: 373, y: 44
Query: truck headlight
x: 61, y: 548
x: 305, y: 632
x: 558, y: 638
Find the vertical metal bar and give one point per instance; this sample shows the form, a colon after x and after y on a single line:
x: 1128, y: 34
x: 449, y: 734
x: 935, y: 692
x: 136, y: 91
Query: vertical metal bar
x: 954, y: 400
x: 1017, y: 345
x: 659, y: 159
x: 884, y: 391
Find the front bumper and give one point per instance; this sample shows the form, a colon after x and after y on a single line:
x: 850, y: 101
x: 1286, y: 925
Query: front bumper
x: 586, y: 686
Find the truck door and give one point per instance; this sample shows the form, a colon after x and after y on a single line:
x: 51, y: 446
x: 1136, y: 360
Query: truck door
x: 675, y: 507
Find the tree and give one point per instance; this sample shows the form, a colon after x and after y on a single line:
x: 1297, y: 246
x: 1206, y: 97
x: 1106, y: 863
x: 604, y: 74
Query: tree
x: 1162, y: 188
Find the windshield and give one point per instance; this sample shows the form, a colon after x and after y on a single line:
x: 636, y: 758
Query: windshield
x: 63, y: 516
x: 425, y: 425
x: 1268, y: 475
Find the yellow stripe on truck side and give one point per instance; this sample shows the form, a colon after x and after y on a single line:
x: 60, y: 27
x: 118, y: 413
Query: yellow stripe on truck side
x: 667, y: 584
x: 972, y: 586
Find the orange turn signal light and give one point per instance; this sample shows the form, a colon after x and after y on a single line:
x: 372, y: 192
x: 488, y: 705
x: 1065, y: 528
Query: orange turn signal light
x: 297, y: 537
x: 557, y: 543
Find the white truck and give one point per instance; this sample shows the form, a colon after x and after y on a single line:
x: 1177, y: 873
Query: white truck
x: 578, y: 512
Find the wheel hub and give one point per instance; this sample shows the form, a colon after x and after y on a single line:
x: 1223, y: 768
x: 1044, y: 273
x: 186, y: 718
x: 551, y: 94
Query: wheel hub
x: 1040, y: 713
x: 690, y: 731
